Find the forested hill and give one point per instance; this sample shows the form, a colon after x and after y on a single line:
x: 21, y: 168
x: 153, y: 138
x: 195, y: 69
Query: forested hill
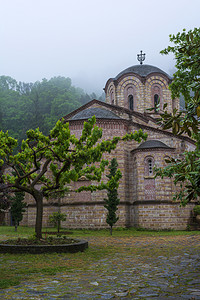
x: 40, y: 104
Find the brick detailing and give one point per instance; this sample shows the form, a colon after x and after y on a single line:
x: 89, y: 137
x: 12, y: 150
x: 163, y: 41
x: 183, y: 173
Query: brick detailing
x: 150, y: 189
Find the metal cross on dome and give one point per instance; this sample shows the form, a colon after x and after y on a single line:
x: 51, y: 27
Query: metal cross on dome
x: 141, y: 57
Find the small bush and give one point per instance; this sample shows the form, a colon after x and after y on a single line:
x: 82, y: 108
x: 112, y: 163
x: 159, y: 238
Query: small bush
x: 196, y: 210
x: 56, y: 218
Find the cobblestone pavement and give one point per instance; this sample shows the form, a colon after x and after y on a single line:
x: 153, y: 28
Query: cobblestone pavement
x: 172, y: 272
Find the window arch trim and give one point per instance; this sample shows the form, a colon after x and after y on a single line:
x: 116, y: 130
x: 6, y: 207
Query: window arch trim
x: 128, y: 93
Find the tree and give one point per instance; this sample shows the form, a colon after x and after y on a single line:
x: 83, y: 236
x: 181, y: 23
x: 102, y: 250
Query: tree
x: 185, y: 170
x: 7, y: 83
x: 17, y: 208
x: 48, y: 163
x: 4, y: 194
x: 40, y: 104
x: 56, y: 218
x: 112, y: 201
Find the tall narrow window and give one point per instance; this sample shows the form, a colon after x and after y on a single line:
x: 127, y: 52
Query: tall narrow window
x: 156, y: 101
x: 112, y: 97
x: 130, y: 102
x: 149, y: 180
x: 150, y: 166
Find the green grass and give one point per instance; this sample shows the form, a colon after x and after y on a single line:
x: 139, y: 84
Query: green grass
x: 14, y: 268
x: 7, y: 232
x: 124, y: 232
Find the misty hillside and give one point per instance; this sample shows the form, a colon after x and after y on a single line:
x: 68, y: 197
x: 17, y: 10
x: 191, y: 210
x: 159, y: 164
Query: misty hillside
x: 40, y: 104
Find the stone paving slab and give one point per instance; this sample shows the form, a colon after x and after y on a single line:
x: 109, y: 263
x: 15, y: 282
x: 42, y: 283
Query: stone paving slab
x: 173, y: 275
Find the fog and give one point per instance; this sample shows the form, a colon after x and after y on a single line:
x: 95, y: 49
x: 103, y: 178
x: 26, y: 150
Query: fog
x: 88, y: 40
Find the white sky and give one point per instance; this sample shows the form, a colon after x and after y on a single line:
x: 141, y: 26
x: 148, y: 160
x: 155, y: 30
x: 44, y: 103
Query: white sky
x: 88, y: 40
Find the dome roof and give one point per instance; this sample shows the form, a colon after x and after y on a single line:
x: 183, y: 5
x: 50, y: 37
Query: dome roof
x: 100, y: 113
x: 152, y: 144
x: 142, y: 70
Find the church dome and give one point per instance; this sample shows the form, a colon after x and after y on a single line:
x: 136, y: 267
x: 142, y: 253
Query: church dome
x: 99, y: 113
x: 142, y: 70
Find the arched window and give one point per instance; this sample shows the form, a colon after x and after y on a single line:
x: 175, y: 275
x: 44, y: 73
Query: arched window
x: 149, y: 164
x: 112, y: 101
x: 149, y: 180
x: 130, y: 102
x: 156, y: 97
x: 130, y: 97
x: 150, y: 167
x: 156, y: 101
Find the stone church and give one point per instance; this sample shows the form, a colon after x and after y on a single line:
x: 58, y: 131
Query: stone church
x: 145, y: 201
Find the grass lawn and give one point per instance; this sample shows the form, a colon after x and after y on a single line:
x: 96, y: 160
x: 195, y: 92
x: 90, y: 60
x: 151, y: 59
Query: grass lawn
x: 14, y: 268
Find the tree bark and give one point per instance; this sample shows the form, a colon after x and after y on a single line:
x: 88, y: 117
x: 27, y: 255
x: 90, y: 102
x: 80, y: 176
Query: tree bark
x: 39, y: 213
x: 110, y: 230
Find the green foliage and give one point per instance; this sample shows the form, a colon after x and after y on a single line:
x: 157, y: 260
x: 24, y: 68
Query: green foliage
x: 196, y: 209
x: 112, y: 201
x: 17, y: 207
x: 186, y: 169
x: 6, y: 283
x: 53, y: 161
x: 186, y: 50
x: 56, y: 218
x: 40, y: 104
x: 4, y: 193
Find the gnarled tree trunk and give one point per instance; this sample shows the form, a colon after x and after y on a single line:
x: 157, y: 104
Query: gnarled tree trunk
x: 38, y: 196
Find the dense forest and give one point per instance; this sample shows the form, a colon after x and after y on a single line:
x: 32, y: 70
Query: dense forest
x: 40, y: 104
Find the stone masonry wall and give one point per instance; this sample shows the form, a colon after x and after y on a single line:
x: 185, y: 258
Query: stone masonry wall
x: 78, y: 215
x: 161, y: 216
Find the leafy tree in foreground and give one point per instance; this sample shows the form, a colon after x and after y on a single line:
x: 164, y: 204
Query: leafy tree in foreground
x: 112, y: 201
x: 4, y: 194
x: 46, y: 164
x: 17, y: 208
x: 56, y: 218
x: 186, y: 171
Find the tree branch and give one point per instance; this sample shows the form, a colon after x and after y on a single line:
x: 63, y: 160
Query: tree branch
x: 44, y: 169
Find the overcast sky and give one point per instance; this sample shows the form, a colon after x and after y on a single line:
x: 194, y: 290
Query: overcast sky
x: 88, y: 40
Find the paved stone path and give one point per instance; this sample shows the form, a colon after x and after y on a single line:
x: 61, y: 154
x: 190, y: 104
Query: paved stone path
x: 174, y: 273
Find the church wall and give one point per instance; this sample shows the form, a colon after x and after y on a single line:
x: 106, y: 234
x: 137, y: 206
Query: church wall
x: 148, y: 187
x: 7, y: 218
x: 90, y: 216
x: 29, y: 217
x: 78, y: 215
x: 172, y: 141
x: 152, y: 199
x: 160, y: 216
